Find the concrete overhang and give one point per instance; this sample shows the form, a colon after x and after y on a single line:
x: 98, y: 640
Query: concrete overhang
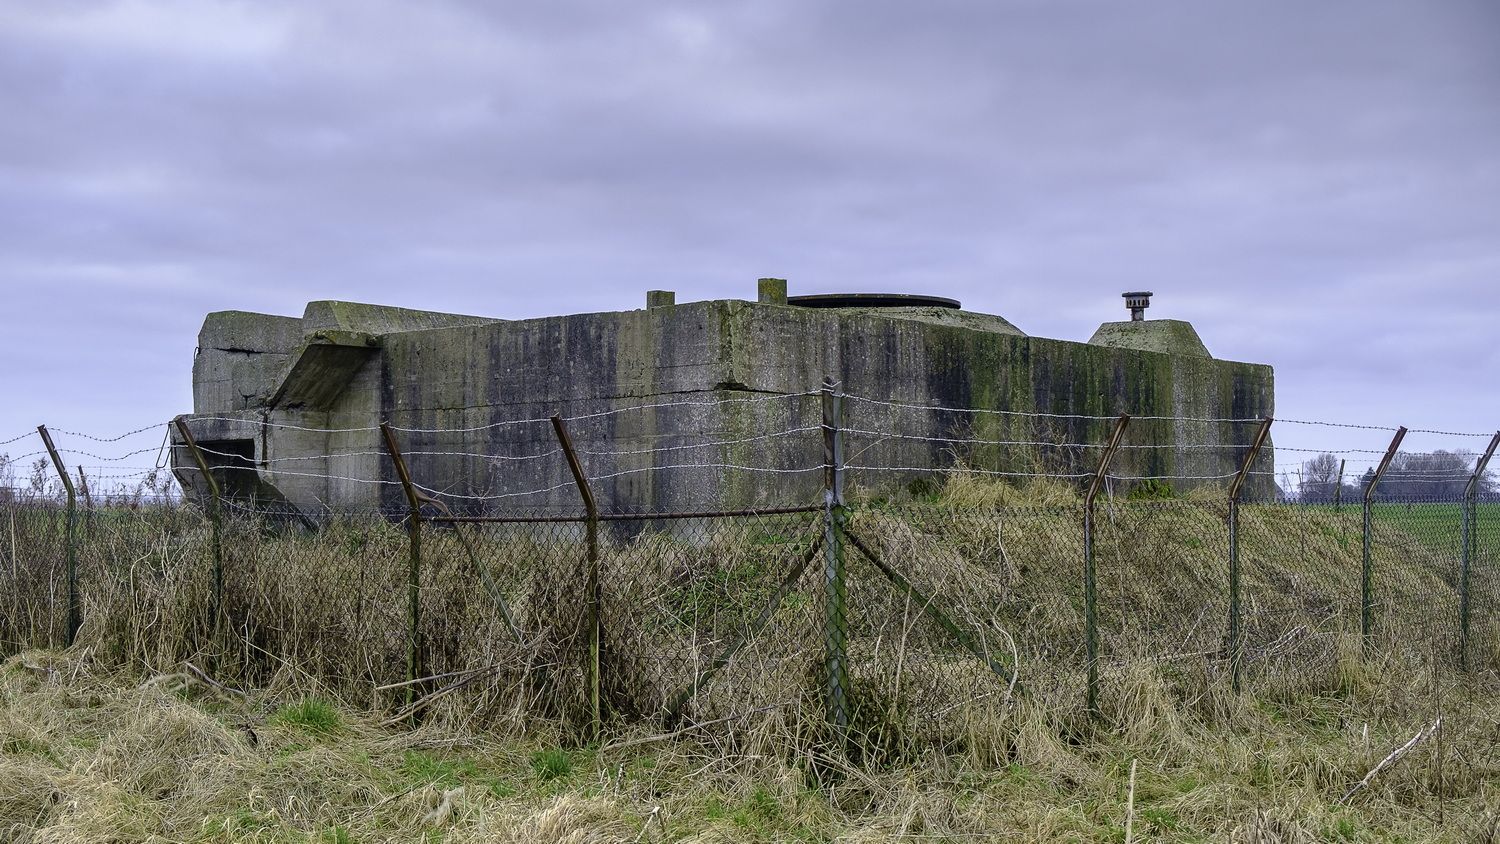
x: 323, y: 367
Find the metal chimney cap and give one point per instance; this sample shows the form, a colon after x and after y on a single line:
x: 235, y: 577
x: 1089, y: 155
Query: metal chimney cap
x: 1137, y: 301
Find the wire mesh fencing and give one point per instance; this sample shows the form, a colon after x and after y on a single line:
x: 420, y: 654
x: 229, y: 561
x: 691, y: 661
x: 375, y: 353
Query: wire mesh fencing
x: 953, y: 612
x: 902, y: 621
x: 1481, y: 613
x: 1301, y: 594
x: 1416, y: 562
x: 325, y: 600
x: 1163, y: 590
x: 33, y: 587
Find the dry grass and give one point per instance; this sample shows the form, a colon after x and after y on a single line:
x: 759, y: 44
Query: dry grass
x: 91, y: 755
x: 119, y: 740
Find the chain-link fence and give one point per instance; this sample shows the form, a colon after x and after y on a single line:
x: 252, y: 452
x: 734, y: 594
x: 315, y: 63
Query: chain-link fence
x: 902, y: 621
x: 33, y: 575
x: 1482, y: 612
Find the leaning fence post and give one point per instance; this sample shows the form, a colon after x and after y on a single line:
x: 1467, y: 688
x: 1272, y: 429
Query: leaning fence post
x: 1235, y: 488
x: 75, y: 609
x: 592, y: 610
x: 215, y: 520
x: 88, y: 520
x: 836, y: 589
x: 1338, y: 489
x: 414, y: 563
x: 1366, y: 575
x: 1470, y: 517
x: 1090, y: 586
x: 83, y: 490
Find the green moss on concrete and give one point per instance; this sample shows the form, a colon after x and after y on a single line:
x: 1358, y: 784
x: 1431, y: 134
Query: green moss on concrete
x: 941, y: 316
x: 1168, y: 336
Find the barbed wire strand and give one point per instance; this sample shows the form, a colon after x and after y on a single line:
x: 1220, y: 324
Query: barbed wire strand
x: 713, y: 444
x: 966, y: 470
x: 750, y: 400
x: 621, y: 473
x: 115, y: 439
x: 105, y: 458
x: 341, y: 454
x: 1175, y: 445
x: 323, y: 475
x: 17, y: 439
x: 285, y: 425
x: 1042, y: 415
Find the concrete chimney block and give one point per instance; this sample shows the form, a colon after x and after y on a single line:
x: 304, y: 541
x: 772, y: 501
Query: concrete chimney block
x: 771, y: 291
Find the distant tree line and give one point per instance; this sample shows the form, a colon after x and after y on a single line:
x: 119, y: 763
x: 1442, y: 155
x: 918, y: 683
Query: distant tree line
x: 1439, y: 475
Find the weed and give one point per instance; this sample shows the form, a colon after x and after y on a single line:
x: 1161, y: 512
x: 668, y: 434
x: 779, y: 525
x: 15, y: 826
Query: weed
x: 1152, y: 490
x: 419, y: 767
x: 551, y: 764
x: 312, y: 715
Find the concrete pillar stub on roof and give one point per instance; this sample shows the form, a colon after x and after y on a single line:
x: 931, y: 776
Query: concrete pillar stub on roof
x: 660, y: 298
x: 771, y: 291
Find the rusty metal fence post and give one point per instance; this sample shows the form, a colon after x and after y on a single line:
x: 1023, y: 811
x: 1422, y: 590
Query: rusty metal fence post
x: 1470, y: 518
x: 1338, y: 490
x: 75, y: 606
x: 1090, y: 581
x: 592, y: 609
x: 215, y: 520
x: 1236, y: 634
x: 1367, y: 569
x: 414, y: 564
x: 836, y: 589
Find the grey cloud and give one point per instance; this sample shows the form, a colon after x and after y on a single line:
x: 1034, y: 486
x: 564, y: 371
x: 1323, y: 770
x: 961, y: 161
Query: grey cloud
x: 1314, y: 185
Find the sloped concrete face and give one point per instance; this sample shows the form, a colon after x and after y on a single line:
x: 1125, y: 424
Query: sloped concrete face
x: 473, y: 396
x: 1167, y: 336
x: 378, y: 319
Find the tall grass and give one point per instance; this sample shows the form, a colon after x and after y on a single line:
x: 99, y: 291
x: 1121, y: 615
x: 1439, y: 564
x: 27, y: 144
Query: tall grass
x: 321, y: 615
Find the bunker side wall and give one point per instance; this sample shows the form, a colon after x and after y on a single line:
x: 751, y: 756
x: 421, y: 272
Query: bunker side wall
x: 476, y: 398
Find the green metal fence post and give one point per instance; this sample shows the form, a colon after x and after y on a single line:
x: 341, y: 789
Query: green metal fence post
x: 593, y: 614
x: 1090, y: 583
x: 414, y: 564
x: 215, y: 519
x: 75, y: 606
x: 836, y: 617
x: 1236, y: 634
x: 1366, y: 575
x: 1470, y: 527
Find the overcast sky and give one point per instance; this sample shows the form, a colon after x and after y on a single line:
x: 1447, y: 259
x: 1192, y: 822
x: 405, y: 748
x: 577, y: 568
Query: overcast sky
x: 1313, y: 185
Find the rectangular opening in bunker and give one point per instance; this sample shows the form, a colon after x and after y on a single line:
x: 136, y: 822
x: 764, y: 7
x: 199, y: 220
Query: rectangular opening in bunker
x: 232, y: 463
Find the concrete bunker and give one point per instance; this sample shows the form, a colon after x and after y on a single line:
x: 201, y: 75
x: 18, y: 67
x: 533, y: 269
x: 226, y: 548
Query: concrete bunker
x: 289, y: 406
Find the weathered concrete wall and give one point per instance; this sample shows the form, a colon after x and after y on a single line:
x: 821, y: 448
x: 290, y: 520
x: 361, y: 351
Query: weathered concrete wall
x: 460, y: 388
x: 240, y: 359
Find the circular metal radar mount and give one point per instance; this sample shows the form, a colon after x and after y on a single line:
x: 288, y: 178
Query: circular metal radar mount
x: 873, y: 300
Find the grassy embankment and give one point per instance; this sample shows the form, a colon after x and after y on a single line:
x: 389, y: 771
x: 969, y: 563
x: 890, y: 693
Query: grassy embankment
x: 119, y: 740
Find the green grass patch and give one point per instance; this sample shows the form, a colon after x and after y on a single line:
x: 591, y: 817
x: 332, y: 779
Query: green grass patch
x: 551, y: 764
x: 1438, y: 526
x: 419, y: 767
x: 311, y: 715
